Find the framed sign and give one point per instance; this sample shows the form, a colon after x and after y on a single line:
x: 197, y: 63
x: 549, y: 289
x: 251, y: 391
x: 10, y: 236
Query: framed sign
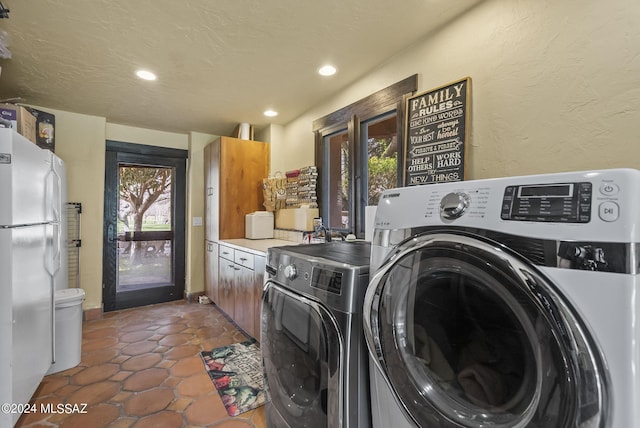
x: 436, y: 134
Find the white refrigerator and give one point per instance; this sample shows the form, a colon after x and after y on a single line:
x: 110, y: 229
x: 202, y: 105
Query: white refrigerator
x: 33, y: 264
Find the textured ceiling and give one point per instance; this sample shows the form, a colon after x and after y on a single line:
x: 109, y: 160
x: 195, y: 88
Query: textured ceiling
x: 219, y: 62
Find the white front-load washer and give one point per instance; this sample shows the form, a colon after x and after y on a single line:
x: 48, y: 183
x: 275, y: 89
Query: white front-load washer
x: 510, y: 302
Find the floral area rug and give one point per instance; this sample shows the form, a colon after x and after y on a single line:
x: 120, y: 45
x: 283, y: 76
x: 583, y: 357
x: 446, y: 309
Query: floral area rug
x: 236, y: 372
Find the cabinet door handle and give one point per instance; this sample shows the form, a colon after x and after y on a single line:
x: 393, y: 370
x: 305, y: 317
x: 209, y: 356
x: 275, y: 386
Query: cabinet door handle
x: 243, y: 259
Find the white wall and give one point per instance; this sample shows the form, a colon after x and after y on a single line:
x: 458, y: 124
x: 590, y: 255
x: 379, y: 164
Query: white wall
x: 555, y: 86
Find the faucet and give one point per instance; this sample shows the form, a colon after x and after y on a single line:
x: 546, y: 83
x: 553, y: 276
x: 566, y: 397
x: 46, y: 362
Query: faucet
x: 321, y: 230
x: 327, y: 234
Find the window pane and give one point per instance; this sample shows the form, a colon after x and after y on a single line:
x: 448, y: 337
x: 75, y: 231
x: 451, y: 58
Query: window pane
x: 379, y: 136
x: 340, y: 187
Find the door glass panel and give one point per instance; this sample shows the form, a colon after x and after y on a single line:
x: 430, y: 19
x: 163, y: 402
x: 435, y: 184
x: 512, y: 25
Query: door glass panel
x: 145, y: 227
x: 380, y: 145
x: 296, y: 360
x: 459, y: 337
x: 340, y: 188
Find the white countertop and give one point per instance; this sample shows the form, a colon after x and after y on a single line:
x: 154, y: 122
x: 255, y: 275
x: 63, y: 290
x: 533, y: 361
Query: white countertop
x: 256, y: 246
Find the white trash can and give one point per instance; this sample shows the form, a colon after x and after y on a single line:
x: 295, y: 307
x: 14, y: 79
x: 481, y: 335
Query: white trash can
x: 68, y: 329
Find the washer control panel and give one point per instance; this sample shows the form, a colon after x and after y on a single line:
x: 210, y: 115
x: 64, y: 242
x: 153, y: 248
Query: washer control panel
x: 453, y: 205
x: 608, y: 209
x: 556, y: 202
x: 291, y: 272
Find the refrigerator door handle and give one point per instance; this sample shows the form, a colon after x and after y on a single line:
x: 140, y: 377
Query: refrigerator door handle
x: 52, y: 264
x: 53, y: 251
x: 53, y: 199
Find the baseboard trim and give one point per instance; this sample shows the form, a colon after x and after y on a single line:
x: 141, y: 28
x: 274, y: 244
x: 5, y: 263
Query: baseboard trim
x: 193, y: 296
x: 92, y: 314
x: 97, y: 313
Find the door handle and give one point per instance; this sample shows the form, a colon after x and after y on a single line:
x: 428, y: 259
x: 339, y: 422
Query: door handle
x: 110, y: 233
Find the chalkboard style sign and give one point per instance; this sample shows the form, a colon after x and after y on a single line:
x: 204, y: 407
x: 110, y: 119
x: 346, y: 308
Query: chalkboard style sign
x: 436, y: 136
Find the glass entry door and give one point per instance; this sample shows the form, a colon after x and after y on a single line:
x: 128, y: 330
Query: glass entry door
x: 144, y: 228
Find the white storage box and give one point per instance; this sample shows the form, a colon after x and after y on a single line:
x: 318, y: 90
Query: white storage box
x: 296, y: 218
x: 258, y: 225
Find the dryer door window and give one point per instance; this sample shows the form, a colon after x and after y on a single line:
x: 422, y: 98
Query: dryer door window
x: 469, y: 335
x: 301, y: 350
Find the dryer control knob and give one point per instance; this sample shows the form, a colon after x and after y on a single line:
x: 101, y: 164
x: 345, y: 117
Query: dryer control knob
x: 453, y: 205
x: 290, y: 272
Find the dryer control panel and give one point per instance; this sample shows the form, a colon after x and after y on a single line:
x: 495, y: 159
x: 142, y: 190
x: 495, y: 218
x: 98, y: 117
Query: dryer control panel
x: 557, y: 202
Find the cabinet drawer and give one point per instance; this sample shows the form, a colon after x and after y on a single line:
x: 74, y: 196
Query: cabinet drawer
x: 244, y: 259
x: 227, y: 253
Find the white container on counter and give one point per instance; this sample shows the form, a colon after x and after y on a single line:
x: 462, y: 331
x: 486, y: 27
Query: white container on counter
x: 296, y: 218
x: 258, y: 225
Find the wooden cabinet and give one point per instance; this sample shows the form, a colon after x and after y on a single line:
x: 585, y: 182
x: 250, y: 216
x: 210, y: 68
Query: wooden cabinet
x: 258, y: 286
x: 244, y: 299
x: 234, y: 170
x: 244, y: 290
x: 227, y: 288
x: 211, y: 274
x: 240, y: 293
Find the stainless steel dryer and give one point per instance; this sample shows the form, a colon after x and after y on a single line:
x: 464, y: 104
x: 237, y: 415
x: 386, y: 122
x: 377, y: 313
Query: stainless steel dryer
x: 314, y: 354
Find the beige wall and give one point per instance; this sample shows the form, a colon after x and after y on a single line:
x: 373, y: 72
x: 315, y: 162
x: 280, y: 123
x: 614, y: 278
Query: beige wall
x: 130, y: 134
x: 274, y: 134
x: 196, y: 209
x: 80, y: 142
x: 555, y: 86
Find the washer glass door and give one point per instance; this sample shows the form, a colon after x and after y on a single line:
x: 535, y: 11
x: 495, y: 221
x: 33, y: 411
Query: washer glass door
x: 300, y: 349
x: 468, y: 334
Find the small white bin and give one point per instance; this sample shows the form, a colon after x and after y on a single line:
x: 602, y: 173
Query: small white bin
x: 68, y: 329
x: 258, y: 225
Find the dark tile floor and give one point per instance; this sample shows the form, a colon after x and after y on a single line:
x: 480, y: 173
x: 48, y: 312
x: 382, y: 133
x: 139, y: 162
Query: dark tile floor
x: 142, y: 368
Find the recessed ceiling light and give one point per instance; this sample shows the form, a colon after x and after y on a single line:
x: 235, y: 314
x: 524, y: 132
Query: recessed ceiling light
x: 146, y: 75
x: 270, y: 113
x: 327, y: 70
